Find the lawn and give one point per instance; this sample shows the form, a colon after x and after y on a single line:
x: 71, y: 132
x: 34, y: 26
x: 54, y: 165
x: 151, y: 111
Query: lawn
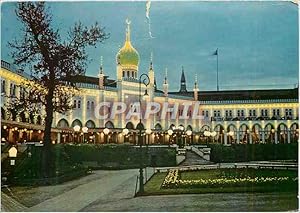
x: 155, y: 185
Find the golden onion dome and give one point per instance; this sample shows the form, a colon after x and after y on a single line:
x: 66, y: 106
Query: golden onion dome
x: 127, y: 55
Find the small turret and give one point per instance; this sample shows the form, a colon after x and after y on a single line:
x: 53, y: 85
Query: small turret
x: 165, y: 84
x: 151, y: 71
x: 101, y: 75
x: 196, y: 89
x: 182, y: 82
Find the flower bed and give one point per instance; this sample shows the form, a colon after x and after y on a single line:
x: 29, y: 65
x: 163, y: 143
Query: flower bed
x: 172, y: 180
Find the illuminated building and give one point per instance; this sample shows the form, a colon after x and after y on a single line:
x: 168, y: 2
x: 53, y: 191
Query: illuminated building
x: 244, y: 116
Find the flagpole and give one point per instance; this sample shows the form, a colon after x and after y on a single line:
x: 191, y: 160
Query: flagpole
x: 217, y: 69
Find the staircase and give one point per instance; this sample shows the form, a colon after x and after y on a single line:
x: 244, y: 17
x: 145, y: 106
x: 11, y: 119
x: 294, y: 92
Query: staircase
x: 194, y: 159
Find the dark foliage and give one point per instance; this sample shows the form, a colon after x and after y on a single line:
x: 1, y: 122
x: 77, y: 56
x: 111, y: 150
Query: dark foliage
x: 253, y: 152
x: 53, y: 62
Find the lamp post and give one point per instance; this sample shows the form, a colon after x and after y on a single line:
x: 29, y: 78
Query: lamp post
x: 230, y: 133
x: 213, y: 134
x: 170, y: 133
x: 189, y: 133
x: 12, y: 154
x: 207, y: 134
x: 76, y: 129
x: 125, y: 133
x: 84, y: 130
x: 144, y: 79
x: 148, y: 132
x: 106, y: 132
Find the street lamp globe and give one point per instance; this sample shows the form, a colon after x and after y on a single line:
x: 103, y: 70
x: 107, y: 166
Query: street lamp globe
x: 207, y: 133
x: 106, y: 131
x: 85, y: 129
x: 124, y: 132
x: 170, y: 132
x: 148, y: 131
x: 12, y: 152
x: 76, y: 128
x: 189, y: 132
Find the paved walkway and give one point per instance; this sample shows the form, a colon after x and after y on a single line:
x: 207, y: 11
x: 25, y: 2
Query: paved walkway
x: 114, y: 191
x: 116, y: 184
x: 194, y: 159
x: 8, y: 204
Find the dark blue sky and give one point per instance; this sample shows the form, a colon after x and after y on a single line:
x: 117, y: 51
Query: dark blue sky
x: 257, y: 41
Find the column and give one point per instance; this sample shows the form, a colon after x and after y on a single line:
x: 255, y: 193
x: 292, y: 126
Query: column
x: 250, y: 137
x: 289, y: 136
x: 276, y: 137
x: 58, y: 137
x: 263, y: 137
x: 225, y: 138
x: 237, y: 136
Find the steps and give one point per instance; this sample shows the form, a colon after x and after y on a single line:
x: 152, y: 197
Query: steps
x: 194, y: 159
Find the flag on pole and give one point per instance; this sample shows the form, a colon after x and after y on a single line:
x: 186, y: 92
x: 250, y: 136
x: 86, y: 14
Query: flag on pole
x: 216, y: 52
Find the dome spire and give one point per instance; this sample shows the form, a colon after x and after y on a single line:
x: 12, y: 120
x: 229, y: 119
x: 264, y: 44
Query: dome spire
x: 101, y: 65
x: 151, y: 61
x: 128, y: 22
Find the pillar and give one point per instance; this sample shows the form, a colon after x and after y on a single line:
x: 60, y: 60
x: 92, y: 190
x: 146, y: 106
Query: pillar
x: 58, y: 137
x: 237, y: 136
x: 276, y: 137
x: 289, y: 136
x: 225, y: 138
x: 263, y: 137
x: 250, y: 137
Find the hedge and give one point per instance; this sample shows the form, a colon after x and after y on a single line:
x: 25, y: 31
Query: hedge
x: 253, y: 152
x: 121, y: 156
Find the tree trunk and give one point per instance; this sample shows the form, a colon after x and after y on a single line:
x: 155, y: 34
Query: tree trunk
x: 47, y: 163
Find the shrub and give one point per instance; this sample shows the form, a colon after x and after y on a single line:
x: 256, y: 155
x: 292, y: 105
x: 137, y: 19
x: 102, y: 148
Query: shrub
x: 253, y: 152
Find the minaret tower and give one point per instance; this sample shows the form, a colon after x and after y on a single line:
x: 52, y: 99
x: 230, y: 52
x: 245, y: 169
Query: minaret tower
x: 151, y: 71
x: 101, y: 75
x: 182, y: 82
x: 165, y: 84
x: 196, y: 89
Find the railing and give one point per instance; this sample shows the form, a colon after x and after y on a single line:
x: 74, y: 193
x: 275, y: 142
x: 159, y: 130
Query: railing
x: 250, y: 101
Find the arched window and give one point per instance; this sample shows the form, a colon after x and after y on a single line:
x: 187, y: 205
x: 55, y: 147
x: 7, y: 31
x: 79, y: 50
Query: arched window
x: 158, y: 127
x: 79, y: 104
x: 109, y: 125
x: 128, y: 74
x: 76, y: 122
x: 63, y: 123
x: 123, y: 75
x: 90, y: 124
x: 129, y: 125
x: 3, y: 86
x: 88, y: 105
x: 92, y: 105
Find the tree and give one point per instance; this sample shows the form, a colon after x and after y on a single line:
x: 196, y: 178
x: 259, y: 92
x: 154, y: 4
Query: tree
x: 53, y: 62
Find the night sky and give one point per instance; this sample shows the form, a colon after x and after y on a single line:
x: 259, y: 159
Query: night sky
x: 257, y: 41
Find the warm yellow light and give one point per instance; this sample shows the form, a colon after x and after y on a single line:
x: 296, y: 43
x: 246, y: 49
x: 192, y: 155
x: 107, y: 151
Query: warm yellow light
x: 148, y: 131
x: 76, y: 128
x: 106, y: 131
x: 85, y: 129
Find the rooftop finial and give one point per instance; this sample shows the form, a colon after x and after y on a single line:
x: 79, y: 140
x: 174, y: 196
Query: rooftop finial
x: 128, y: 22
x: 166, y: 75
x: 101, y: 64
x: 151, y: 61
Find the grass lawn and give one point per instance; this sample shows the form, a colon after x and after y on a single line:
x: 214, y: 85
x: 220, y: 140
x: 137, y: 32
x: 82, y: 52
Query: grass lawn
x: 153, y: 187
